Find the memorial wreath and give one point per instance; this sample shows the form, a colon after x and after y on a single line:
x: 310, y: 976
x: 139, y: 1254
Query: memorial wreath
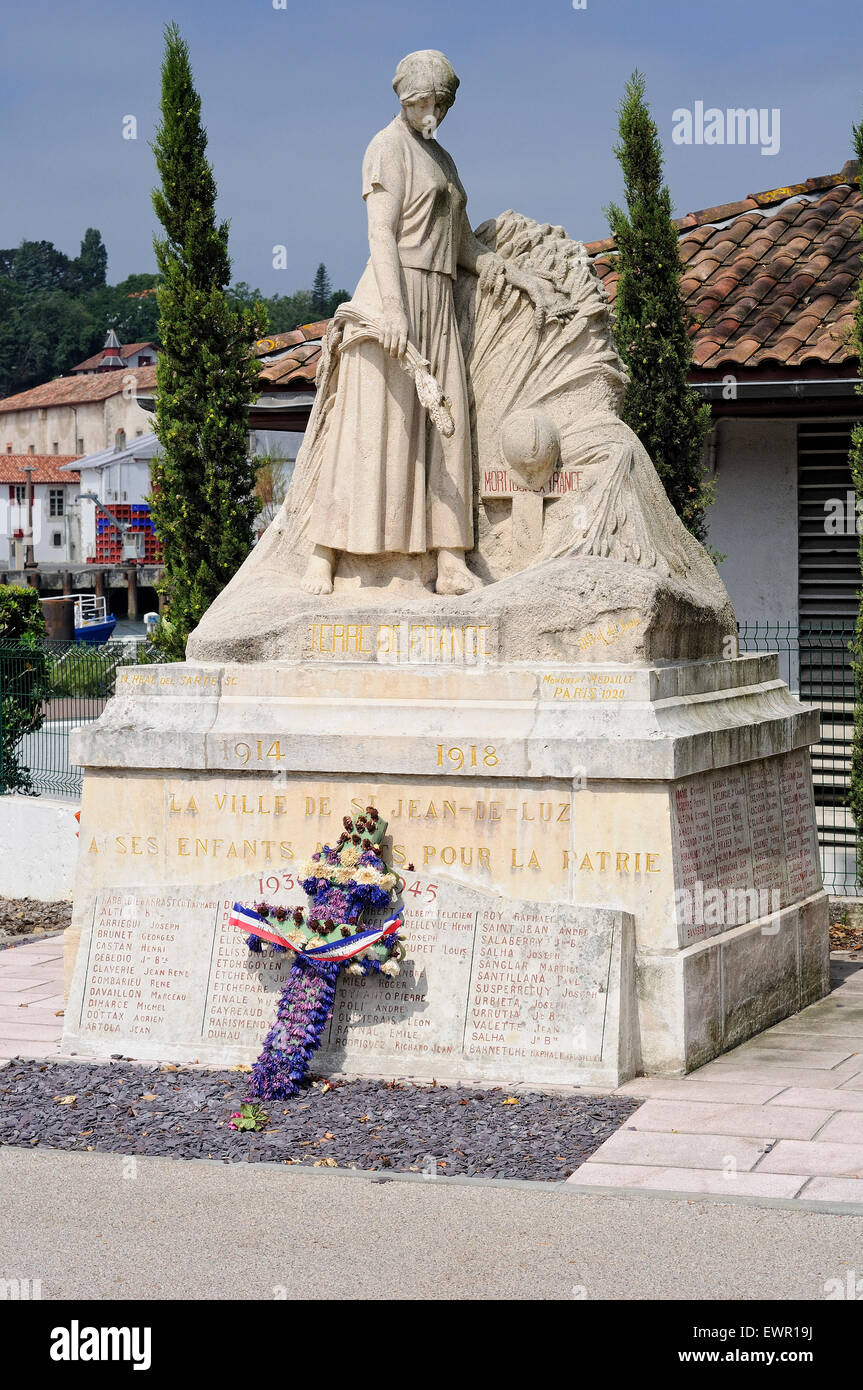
x: 345, y: 883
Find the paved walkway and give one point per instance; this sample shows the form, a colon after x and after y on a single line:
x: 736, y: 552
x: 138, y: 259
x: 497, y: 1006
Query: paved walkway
x: 780, y: 1116
x: 31, y: 999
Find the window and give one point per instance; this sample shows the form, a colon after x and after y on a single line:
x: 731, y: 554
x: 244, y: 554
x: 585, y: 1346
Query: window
x: 31, y: 448
x: 55, y: 447
x: 57, y: 538
x: 80, y: 444
x: 56, y: 501
x: 20, y: 494
x: 8, y: 448
x: 120, y: 440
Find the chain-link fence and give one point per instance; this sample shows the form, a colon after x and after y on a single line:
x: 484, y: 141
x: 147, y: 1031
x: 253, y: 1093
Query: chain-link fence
x: 48, y: 688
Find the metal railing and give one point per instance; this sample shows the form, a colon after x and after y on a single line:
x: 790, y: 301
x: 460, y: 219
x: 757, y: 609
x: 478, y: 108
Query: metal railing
x: 815, y: 662
x: 48, y: 688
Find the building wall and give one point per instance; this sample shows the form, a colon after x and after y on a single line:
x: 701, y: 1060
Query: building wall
x: 13, y: 517
x: 125, y: 482
x: 81, y: 429
x: 754, y: 518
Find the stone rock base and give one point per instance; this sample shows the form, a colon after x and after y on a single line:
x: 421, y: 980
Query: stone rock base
x: 606, y: 870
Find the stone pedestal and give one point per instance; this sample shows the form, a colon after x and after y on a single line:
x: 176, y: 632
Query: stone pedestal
x: 607, y: 868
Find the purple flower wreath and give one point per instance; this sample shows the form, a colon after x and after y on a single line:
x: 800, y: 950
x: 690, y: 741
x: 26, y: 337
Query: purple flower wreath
x: 344, y: 883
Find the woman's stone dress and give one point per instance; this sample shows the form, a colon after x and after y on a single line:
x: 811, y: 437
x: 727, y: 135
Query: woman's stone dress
x: 386, y: 480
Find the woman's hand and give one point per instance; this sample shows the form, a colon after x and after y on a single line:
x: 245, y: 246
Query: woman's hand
x: 495, y: 274
x: 394, y: 322
x: 540, y: 290
x: 492, y: 275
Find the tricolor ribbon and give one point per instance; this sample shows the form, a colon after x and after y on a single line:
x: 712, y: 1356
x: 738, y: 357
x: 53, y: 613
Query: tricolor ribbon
x: 331, y: 952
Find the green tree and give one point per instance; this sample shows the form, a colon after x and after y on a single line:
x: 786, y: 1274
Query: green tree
x: 855, y: 790
x: 23, y: 681
x: 653, y: 327
x: 321, y: 292
x: 203, y: 495
x: 38, y: 265
x: 92, y: 261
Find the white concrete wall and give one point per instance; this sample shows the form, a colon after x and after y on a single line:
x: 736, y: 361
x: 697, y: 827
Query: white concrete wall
x: 38, y: 848
x: 13, y: 517
x: 754, y: 518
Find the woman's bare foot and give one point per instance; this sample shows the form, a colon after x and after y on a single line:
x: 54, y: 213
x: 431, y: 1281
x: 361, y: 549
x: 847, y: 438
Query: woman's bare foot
x: 453, y: 575
x: 318, y: 578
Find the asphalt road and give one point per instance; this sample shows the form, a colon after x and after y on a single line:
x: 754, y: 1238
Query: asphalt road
x: 97, y: 1226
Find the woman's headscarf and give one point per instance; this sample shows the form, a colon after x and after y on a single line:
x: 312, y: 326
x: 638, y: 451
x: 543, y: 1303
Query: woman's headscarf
x: 425, y: 73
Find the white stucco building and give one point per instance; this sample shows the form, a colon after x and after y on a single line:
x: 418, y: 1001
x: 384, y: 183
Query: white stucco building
x: 55, y: 510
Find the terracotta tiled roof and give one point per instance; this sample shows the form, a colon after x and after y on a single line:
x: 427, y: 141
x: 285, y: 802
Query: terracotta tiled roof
x: 769, y: 280
x: 291, y: 359
x: 126, y: 350
x: 46, y: 468
x: 77, y: 390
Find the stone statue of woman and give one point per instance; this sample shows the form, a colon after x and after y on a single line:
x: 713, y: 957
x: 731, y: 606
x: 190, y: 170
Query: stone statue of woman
x: 387, y: 482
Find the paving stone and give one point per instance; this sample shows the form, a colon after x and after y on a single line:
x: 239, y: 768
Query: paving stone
x: 21, y: 1048
x: 595, y: 1174
x: 22, y: 984
x: 826, y: 1057
x: 681, y: 1150
x: 691, y: 1117
x: 37, y: 1012
x: 797, y: 1042
x: 811, y: 1098
x: 36, y: 1032
x: 746, y: 1071
x: 694, y: 1087
x: 834, y: 1190
x: 843, y: 1129
x: 815, y: 1157
x: 835, y: 1034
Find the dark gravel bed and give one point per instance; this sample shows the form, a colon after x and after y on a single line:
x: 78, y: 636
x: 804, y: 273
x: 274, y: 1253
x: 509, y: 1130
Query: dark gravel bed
x: 27, y: 917
x: 377, y: 1125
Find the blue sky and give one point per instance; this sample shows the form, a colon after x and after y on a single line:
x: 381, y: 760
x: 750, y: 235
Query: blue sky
x: 292, y: 96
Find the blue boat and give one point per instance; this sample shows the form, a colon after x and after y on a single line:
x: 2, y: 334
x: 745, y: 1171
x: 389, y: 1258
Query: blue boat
x: 93, y: 623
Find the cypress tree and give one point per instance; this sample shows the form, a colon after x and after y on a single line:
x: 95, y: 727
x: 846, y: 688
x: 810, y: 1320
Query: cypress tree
x: 653, y: 327
x: 855, y: 790
x: 322, y: 292
x: 92, y: 260
x: 203, y: 495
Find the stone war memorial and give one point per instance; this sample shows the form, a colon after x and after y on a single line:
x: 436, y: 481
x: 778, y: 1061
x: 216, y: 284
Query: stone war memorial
x: 478, y: 613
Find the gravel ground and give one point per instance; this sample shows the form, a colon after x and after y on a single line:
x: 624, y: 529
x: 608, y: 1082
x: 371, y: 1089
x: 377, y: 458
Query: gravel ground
x: 121, y: 1108
x: 27, y: 917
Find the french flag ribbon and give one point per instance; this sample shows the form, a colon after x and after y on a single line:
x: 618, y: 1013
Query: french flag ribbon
x: 331, y: 952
